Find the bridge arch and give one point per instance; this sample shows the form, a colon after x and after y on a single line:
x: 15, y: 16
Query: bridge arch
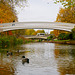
x: 36, y: 25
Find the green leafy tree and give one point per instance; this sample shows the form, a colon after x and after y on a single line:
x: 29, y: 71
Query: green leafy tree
x: 61, y: 36
x: 73, y: 33
x: 68, y: 36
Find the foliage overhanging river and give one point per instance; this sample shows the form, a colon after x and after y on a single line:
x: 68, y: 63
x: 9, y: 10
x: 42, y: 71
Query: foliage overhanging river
x: 44, y: 59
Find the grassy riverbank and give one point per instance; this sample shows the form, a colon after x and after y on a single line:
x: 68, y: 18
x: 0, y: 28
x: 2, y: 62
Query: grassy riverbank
x: 63, y: 41
x: 8, y: 41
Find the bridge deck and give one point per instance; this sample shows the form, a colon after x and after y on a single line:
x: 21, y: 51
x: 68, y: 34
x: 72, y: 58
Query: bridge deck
x: 36, y: 37
x: 37, y: 25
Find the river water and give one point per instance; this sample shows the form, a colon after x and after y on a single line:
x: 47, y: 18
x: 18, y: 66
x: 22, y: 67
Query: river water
x: 44, y: 59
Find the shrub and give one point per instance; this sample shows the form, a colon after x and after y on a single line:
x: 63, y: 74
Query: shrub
x: 19, y: 41
x: 50, y: 37
x: 73, y: 33
x: 61, y: 36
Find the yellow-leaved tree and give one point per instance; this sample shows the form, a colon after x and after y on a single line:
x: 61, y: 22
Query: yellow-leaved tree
x: 38, y: 31
x: 7, y: 13
x: 66, y: 15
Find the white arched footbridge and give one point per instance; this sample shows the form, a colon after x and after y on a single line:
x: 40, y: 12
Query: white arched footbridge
x: 36, y: 25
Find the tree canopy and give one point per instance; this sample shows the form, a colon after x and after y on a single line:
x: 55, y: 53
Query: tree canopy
x: 66, y: 15
x: 15, y: 2
x: 7, y: 13
x: 66, y: 3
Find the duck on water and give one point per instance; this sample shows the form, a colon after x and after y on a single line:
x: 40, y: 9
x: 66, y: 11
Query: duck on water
x: 9, y: 53
x: 24, y: 60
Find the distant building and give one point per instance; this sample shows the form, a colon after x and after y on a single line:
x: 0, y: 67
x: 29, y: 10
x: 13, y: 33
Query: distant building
x: 40, y: 34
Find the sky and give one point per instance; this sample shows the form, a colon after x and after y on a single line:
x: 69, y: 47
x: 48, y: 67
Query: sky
x: 38, y: 10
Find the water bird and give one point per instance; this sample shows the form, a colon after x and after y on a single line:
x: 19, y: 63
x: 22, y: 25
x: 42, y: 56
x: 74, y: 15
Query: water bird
x: 24, y: 60
x: 9, y: 53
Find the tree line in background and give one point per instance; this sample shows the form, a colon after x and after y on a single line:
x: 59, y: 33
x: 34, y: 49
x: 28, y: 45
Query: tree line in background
x: 25, y: 32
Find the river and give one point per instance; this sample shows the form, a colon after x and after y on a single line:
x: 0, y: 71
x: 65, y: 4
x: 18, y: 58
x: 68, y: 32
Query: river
x: 44, y: 59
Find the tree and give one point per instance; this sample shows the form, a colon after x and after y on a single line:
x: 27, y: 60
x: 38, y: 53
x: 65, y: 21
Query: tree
x: 15, y: 2
x: 52, y: 32
x: 7, y: 13
x: 66, y: 15
x: 29, y: 31
x: 68, y: 36
x: 38, y: 31
x: 19, y: 32
x: 66, y: 3
x: 57, y: 32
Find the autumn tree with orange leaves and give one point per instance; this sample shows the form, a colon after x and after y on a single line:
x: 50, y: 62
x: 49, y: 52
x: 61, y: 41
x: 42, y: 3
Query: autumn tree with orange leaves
x: 66, y: 15
x: 7, y: 13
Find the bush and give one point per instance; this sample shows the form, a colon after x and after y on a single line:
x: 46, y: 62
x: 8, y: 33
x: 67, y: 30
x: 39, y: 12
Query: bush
x: 50, y: 37
x: 68, y: 36
x: 6, y: 41
x: 61, y: 36
x: 40, y: 40
x: 19, y: 41
x: 73, y: 33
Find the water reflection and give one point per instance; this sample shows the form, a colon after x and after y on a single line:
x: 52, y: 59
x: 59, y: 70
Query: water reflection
x: 65, y: 57
x: 8, y: 62
x: 44, y: 59
x: 6, y: 66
